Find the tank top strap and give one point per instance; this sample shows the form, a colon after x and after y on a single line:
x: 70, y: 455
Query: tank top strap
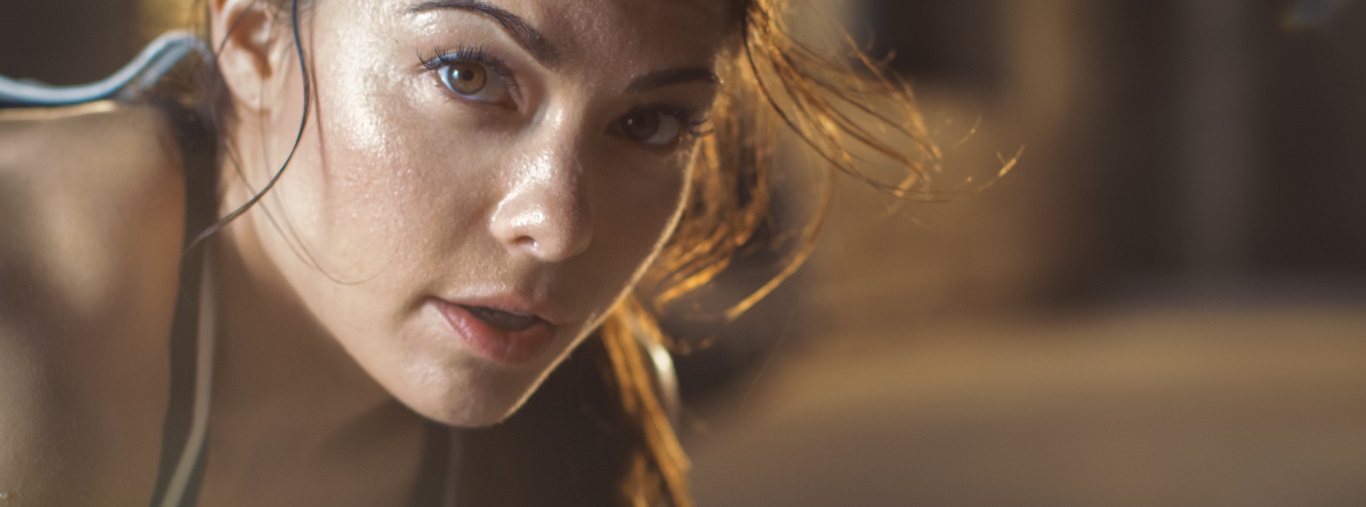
x: 129, y: 82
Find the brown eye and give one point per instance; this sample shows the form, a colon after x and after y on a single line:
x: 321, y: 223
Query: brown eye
x: 466, y: 78
x: 473, y: 81
x: 652, y: 127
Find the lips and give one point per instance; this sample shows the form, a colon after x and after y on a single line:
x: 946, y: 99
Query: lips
x: 506, y: 321
x: 498, y: 335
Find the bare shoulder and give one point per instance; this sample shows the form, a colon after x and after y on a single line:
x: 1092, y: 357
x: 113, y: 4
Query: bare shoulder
x: 99, y: 146
x: 91, y: 207
x: 83, y: 192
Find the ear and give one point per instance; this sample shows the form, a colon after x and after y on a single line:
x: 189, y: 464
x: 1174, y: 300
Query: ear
x: 243, y: 31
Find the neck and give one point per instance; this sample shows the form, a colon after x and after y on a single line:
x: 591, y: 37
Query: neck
x: 281, y: 381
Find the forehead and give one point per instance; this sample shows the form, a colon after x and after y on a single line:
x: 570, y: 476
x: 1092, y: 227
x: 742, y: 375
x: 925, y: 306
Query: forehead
x: 592, y: 31
x: 681, y: 30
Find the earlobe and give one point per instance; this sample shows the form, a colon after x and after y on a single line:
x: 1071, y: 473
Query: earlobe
x: 242, y: 31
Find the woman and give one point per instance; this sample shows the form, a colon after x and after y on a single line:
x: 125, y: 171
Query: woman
x: 475, y: 193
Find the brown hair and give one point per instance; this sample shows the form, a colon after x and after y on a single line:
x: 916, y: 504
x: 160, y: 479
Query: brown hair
x: 833, y: 103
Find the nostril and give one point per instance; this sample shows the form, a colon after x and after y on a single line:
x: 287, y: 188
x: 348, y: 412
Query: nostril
x: 527, y: 242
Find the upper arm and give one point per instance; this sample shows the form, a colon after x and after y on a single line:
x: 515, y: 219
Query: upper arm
x: 36, y: 446
x: 89, y: 198
x: 29, y: 426
x: 91, y: 208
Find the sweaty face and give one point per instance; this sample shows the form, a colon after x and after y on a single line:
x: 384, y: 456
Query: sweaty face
x: 481, y: 181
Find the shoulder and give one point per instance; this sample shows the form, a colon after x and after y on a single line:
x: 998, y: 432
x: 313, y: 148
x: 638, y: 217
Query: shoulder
x: 99, y: 146
x: 85, y: 194
x: 109, y: 155
x: 91, y: 212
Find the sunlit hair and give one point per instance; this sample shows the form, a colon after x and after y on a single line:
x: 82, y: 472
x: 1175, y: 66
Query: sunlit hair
x: 844, y: 108
x: 840, y: 104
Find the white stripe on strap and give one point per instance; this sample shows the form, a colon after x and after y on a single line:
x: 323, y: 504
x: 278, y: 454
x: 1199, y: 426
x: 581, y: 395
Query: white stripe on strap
x: 203, y: 389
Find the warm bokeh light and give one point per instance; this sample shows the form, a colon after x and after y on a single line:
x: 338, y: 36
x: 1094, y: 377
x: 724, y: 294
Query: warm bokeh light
x: 157, y: 16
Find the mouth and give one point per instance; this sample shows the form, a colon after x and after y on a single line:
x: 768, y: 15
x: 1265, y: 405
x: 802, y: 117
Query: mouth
x: 506, y: 321
x: 498, y: 335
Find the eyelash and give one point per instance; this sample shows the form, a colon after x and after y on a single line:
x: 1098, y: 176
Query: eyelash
x: 692, y: 126
x: 438, y: 58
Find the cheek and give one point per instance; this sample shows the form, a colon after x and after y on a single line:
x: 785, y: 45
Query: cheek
x: 374, y: 184
x: 649, y: 214
x: 641, y: 213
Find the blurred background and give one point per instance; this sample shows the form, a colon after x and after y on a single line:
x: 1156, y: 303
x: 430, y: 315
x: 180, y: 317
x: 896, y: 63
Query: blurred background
x: 1163, y: 305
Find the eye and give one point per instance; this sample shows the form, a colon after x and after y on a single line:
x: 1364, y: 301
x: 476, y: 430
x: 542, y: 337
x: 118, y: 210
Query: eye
x: 471, y: 74
x: 473, y: 81
x: 654, y: 126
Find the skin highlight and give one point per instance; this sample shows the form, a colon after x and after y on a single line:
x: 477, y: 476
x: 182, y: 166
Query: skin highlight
x: 400, y: 193
x: 403, y: 194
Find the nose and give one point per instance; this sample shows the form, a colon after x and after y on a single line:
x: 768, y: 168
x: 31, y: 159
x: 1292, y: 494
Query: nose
x: 545, y: 211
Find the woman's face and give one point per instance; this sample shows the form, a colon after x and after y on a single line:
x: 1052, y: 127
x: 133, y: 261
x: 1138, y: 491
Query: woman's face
x: 481, y: 181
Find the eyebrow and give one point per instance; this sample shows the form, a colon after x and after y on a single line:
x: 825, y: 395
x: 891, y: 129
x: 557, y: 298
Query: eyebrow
x: 670, y: 77
x: 522, y: 32
x: 545, y: 52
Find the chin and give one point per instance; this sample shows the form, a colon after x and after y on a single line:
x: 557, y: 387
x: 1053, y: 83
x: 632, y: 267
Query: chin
x: 472, y: 416
x: 472, y: 402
